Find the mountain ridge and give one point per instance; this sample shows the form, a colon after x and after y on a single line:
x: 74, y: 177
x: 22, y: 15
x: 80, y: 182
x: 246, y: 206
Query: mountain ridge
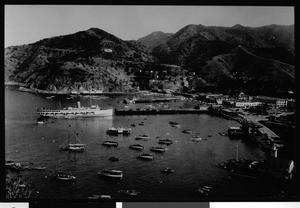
x: 97, y: 60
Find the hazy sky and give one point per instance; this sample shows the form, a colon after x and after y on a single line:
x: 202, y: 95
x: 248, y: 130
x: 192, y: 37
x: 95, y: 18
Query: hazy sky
x: 29, y: 23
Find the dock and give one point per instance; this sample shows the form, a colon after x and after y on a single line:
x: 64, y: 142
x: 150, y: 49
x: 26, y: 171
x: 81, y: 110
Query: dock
x: 160, y: 112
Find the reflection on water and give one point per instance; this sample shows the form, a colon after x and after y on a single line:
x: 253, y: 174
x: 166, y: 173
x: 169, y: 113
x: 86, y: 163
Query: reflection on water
x: 195, y: 163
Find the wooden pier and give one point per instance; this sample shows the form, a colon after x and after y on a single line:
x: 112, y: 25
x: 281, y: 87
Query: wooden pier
x: 159, y: 112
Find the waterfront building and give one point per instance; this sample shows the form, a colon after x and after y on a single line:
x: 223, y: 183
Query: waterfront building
x: 246, y: 104
x: 273, y: 102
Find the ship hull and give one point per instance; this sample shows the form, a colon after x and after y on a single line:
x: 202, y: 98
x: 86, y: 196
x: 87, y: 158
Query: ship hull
x: 75, y: 113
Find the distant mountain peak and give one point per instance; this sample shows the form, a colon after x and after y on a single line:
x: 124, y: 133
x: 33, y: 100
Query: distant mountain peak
x: 155, y: 38
x: 238, y: 26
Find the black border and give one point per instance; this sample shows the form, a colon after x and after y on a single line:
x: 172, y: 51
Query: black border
x: 86, y: 203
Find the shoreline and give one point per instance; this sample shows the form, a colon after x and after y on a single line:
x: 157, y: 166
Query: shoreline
x: 45, y: 92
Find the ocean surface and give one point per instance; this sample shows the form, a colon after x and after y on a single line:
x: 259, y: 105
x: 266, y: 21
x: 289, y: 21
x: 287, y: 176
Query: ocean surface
x: 196, y: 164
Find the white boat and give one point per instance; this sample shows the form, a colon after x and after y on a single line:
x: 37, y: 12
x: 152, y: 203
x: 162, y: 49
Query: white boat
x: 64, y: 177
x: 110, y: 143
x: 157, y: 149
x: 41, y: 120
x: 196, y: 138
x: 40, y: 168
x: 76, y: 112
x: 143, y: 136
x: 119, y: 130
x: 136, y: 146
x: 110, y: 173
x: 99, y: 197
x: 174, y: 124
x: 76, y: 147
x: 145, y: 156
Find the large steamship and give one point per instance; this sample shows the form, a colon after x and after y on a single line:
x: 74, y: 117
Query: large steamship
x: 71, y: 112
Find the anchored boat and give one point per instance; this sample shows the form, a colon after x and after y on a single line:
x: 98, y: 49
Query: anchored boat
x: 145, y: 156
x: 120, y: 130
x: 110, y: 173
x: 186, y: 131
x: 157, y: 149
x: 64, y: 176
x: 75, y: 147
x: 136, y: 146
x: 174, y: 124
x: 79, y: 111
x: 196, y: 138
x: 144, y: 136
x: 165, y: 141
x: 110, y: 143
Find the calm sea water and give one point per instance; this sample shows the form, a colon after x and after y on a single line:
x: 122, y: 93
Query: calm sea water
x: 195, y: 163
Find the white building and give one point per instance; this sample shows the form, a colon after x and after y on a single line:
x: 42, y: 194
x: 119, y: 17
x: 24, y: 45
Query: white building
x: 245, y: 104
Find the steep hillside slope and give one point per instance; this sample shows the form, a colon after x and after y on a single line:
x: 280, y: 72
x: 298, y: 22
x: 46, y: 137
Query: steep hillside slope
x: 85, y: 60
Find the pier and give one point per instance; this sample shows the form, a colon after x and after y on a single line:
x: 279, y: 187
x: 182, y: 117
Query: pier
x: 160, y: 112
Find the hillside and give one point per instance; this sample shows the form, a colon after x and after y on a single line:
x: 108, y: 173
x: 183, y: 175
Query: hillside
x: 196, y: 58
x: 154, y: 39
x: 87, y: 60
x: 211, y: 52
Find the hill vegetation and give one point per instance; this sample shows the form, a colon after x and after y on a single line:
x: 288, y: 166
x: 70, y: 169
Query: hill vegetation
x: 194, y: 59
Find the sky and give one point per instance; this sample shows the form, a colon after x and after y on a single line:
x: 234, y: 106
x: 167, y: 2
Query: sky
x: 24, y: 24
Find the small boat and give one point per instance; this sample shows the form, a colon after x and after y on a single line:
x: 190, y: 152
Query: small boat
x: 64, y: 177
x: 223, y: 134
x: 208, y: 188
x: 22, y: 185
x: 113, y: 159
x: 196, y: 138
x: 143, y: 136
x: 50, y: 97
x: 110, y: 143
x: 167, y: 170
x: 99, y: 197
x: 157, y: 149
x: 94, y: 197
x: 165, y: 141
x: 186, y: 131
x: 41, y: 120
x: 110, y: 173
x: 105, y: 197
x: 174, y: 124
x: 75, y: 147
x: 145, y: 156
x: 40, y: 168
x: 120, y: 130
x: 130, y: 192
x: 136, y: 146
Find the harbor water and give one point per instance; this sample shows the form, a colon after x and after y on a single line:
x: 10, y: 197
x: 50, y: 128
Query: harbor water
x: 196, y: 164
